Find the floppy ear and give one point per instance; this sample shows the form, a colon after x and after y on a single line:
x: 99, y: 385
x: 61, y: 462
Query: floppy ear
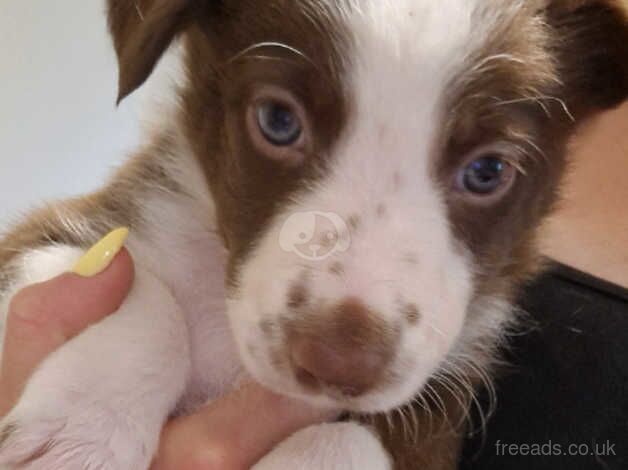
x: 142, y: 30
x: 591, y: 46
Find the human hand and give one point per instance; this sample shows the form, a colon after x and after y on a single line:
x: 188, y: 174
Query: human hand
x: 42, y: 317
x: 230, y: 434
x: 234, y: 432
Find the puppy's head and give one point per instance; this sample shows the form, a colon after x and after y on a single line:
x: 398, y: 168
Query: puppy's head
x: 379, y: 168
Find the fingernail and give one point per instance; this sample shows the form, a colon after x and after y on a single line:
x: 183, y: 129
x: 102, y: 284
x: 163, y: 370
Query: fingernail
x: 99, y: 257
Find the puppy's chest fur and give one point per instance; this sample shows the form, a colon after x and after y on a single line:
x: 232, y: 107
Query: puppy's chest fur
x: 194, y: 271
x: 179, y: 245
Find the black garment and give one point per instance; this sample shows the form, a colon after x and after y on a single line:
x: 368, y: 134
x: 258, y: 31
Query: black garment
x: 567, y: 389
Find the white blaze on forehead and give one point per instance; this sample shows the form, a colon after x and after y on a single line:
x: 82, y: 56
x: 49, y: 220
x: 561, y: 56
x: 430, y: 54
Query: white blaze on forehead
x: 403, y: 56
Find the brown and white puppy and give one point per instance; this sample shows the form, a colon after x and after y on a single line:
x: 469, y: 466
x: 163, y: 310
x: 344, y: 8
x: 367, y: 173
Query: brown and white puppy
x: 341, y: 203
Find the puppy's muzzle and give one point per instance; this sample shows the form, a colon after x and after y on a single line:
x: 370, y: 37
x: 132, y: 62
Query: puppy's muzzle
x: 347, y: 349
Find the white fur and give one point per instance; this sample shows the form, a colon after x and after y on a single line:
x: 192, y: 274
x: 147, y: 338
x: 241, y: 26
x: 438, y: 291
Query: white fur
x: 101, y: 397
x: 182, y: 246
x: 340, y: 446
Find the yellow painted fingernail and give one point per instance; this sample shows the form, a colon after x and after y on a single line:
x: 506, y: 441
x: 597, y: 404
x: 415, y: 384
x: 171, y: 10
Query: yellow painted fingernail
x: 99, y: 257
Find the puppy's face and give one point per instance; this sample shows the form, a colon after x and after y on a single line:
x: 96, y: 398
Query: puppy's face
x: 379, y: 169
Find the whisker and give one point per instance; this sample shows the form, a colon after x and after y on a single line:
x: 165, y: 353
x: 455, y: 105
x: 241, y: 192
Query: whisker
x: 487, y: 63
x: 439, y: 403
x: 272, y: 44
x: 139, y: 11
x: 458, y: 395
x: 540, y: 99
x: 267, y: 58
x: 438, y: 331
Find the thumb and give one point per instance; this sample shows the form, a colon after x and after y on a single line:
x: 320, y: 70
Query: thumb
x: 42, y: 317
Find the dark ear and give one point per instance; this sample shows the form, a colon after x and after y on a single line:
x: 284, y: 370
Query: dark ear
x: 142, y: 30
x: 591, y: 47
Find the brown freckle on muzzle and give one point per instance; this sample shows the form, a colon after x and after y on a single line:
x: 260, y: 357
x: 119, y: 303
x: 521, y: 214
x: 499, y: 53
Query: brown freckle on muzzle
x: 411, y: 258
x: 337, y: 268
x: 354, y: 222
x: 269, y: 328
x: 381, y: 210
x: 411, y: 313
x: 297, y: 296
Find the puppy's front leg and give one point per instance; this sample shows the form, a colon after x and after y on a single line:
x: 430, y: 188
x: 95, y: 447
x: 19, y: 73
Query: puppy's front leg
x: 336, y: 446
x: 100, y: 401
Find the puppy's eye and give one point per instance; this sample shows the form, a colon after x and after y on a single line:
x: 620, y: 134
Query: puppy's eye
x: 486, y: 174
x: 278, y: 123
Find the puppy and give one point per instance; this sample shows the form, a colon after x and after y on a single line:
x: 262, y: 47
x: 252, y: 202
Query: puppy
x: 341, y: 204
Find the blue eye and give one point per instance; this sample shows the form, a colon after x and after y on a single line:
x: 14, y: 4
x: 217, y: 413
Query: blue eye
x: 485, y: 175
x: 279, y: 124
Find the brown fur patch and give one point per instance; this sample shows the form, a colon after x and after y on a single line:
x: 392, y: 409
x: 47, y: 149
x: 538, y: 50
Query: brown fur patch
x: 82, y: 221
x: 142, y: 30
x: 542, y: 72
x: 222, y: 79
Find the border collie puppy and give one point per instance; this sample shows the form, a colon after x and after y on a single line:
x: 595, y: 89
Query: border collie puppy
x: 341, y: 204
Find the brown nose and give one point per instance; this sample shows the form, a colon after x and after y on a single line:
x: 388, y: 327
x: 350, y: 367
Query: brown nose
x: 347, y: 349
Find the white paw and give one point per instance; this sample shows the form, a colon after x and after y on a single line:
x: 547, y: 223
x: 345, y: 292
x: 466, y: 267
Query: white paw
x: 337, y: 446
x: 99, y: 402
x: 50, y: 435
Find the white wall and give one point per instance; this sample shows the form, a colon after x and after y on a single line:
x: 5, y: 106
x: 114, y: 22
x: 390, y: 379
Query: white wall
x: 60, y: 133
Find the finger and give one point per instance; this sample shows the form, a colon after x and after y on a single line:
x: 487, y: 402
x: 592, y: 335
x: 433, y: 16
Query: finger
x: 44, y: 316
x: 234, y: 432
